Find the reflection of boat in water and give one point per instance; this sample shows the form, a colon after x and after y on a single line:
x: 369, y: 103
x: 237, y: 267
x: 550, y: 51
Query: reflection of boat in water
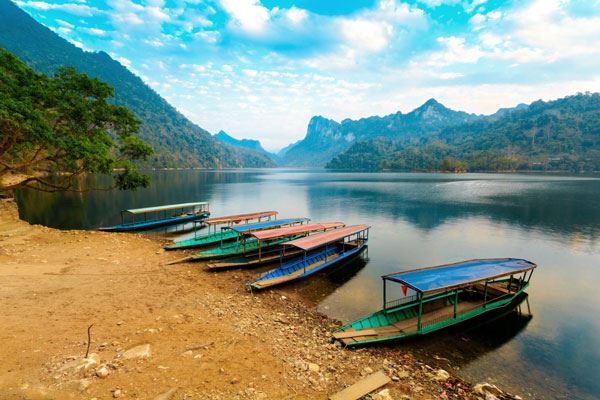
x: 155, y: 217
x: 437, y: 297
x: 329, y: 280
x: 464, y: 343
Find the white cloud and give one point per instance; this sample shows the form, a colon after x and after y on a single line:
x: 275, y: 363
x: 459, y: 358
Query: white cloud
x: 296, y: 15
x: 248, y: 15
x: 250, y: 72
x: 71, y: 8
x: 157, y: 13
x: 366, y: 35
x: 472, y: 5
x: 455, y: 51
x: 65, y: 24
x: 477, y: 20
x: 95, y: 31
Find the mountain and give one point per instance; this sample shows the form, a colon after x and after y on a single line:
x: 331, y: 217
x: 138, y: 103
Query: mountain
x: 559, y: 135
x: 177, y: 142
x: 250, y: 144
x: 284, y: 150
x: 326, y: 138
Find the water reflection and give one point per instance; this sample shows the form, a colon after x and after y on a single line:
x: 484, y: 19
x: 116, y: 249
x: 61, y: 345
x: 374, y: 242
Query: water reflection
x: 419, y: 220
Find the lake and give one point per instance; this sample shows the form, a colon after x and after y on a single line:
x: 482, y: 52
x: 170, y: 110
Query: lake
x: 548, y: 348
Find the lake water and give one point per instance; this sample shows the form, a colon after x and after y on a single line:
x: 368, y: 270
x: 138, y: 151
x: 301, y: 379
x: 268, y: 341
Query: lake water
x: 549, y: 348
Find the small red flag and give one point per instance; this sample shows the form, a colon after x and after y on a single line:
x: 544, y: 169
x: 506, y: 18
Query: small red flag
x: 404, y: 289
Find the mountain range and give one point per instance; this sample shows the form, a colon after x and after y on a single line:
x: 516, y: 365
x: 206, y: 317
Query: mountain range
x: 326, y: 138
x: 177, y: 141
x: 250, y: 144
x: 558, y: 135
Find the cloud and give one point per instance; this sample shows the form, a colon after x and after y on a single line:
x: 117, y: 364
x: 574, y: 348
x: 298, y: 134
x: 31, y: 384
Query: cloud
x: 366, y: 35
x: 296, y: 15
x: 65, y: 24
x: 454, y: 51
x: 95, y: 31
x: 250, y: 72
x: 247, y: 15
x: 71, y: 8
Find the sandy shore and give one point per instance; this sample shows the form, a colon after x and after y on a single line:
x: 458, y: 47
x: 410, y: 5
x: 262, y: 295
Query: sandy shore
x: 208, y: 337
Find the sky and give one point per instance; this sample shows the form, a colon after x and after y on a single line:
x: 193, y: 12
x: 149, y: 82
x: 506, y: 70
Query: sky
x: 261, y: 69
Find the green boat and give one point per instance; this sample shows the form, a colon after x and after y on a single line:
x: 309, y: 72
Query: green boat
x: 437, y: 297
x: 225, y: 234
x: 248, y: 246
x: 273, y: 253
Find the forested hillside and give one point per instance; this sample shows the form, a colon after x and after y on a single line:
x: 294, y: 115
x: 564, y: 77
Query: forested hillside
x: 177, y: 142
x: 559, y: 135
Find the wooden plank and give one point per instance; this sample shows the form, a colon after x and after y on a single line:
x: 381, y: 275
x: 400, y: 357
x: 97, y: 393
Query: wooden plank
x: 362, y: 387
x: 348, y: 334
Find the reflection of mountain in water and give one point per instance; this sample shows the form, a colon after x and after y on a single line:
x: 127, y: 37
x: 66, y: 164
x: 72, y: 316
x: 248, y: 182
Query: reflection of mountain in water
x: 93, y: 209
x: 557, y: 206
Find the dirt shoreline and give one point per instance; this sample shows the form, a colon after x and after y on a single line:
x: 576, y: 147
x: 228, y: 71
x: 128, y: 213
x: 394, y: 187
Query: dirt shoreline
x: 208, y: 337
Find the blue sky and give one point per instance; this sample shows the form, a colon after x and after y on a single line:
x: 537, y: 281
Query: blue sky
x: 261, y: 68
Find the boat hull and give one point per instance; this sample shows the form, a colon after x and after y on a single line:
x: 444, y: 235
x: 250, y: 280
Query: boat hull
x: 288, y: 273
x: 203, y: 241
x: 148, y: 225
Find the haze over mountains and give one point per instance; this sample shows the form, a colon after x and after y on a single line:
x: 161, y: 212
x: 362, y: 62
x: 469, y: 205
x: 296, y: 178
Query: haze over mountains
x: 177, y: 142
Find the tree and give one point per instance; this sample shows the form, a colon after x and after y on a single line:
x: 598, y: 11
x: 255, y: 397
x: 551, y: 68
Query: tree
x: 57, y: 129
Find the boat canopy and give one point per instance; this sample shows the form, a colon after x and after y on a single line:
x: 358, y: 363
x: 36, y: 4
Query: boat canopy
x: 450, y: 276
x: 265, y: 225
x: 294, y: 230
x: 166, y: 207
x: 240, y: 217
x: 321, y: 239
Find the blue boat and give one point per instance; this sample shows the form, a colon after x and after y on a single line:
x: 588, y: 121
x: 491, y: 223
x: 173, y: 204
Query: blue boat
x: 143, y: 219
x: 319, y: 251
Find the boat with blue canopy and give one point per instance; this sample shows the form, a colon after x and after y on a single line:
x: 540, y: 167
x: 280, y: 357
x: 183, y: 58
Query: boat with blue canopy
x: 142, y: 219
x: 223, y: 234
x: 426, y: 300
x: 318, y: 252
x: 273, y: 253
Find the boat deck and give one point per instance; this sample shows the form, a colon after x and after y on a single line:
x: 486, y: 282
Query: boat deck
x: 405, y: 327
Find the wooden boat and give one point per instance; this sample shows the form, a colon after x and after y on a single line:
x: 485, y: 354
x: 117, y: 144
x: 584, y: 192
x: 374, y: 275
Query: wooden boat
x: 245, y: 243
x: 224, y: 234
x: 273, y: 253
x: 155, y: 217
x: 319, y: 252
x: 434, y: 298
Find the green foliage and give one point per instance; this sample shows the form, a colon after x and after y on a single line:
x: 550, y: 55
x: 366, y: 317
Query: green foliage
x: 177, y: 142
x: 561, y: 135
x: 59, y: 128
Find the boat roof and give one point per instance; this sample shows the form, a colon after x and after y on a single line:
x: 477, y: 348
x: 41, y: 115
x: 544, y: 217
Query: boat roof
x: 449, y: 276
x: 166, y: 207
x: 240, y: 217
x: 321, y: 239
x: 267, y: 224
x: 294, y: 230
